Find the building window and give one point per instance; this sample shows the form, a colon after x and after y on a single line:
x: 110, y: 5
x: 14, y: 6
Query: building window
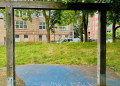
x: 25, y: 38
x: 93, y: 33
x: 40, y: 14
x: 88, y: 33
x: 17, y: 38
x: 42, y: 25
x: 63, y: 27
x: 88, y: 28
x: 96, y: 22
x: 109, y: 26
x: 88, y: 23
x: 96, y: 28
x: 96, y: 15
x: 93, y: 22
x: 89, y: 17
x: 108, y: 30
x: 21, y: 25
x: 92, y: 27
x: 66, y: 36
x: 60, y: 37
x: 40, y: 38
x: 4, y: 24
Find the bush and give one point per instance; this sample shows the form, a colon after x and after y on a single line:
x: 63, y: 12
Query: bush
x: 108, y: 35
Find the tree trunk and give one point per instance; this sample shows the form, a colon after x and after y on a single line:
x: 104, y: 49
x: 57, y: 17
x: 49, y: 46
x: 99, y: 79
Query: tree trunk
x: 48, y: 35
x: 48, y: 31
x: 113, y: 33
x: 47, y: 25
x: 81, y: 27
x: 85, y: 25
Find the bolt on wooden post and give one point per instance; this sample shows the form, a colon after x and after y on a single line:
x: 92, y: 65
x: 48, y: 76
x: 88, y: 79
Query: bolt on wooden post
x: 10, y: 51
x: 101, y: 57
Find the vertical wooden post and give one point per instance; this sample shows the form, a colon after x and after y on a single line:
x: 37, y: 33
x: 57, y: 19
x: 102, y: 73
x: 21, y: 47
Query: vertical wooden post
x: 101, y: 58
x: 10, y: 50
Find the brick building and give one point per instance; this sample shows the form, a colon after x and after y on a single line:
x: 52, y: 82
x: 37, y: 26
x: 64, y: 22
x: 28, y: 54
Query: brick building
x: 92, y: 31
x: 35, y: 31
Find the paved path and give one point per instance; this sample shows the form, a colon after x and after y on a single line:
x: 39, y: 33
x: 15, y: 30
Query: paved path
x: 63, y: 75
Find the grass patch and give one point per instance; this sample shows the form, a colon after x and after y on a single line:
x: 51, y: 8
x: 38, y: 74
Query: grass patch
x: 64, y: 53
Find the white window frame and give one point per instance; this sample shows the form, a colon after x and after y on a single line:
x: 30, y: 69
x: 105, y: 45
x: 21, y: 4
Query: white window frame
x: 63, y: 27
x: 26, y: 39
x: 19, y: 24
x: 92, y: 33
x: 89, y: 23
x: 42, y: 25
x: 89, y: 17
x: 41, y: 14
x: 96, y: 28
x: 59, y: 38
x: 96, y: 22
x: 92, y: 27
x: 96, y: 15
x: 92, y: 22
x: 39, y: 38
x: 17, y: 39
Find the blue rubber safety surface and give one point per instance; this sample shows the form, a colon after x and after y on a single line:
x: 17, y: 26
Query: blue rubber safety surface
x: 63, y: 75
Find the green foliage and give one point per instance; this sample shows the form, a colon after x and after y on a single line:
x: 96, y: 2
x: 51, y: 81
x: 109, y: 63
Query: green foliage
x: 108, y: 35
x: 55, y: 18
x: 113, y: 14
x: 22, y: 13
x: 76, y: 31
x: 118, y: 33
x: 67, y: 17
x: 3, y: 12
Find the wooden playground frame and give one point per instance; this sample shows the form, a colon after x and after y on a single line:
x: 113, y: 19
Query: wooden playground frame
x: 10, y: 38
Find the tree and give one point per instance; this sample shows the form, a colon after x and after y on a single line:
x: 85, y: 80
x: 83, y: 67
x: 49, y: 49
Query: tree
x: 76, y: 31
x: 51, y: 19
x: 79, y: 19
x: 113, y: 17
x: 82, y: 17
x: 85, y: 21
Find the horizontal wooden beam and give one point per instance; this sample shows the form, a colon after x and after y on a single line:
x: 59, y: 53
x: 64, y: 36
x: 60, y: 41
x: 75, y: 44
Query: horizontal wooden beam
x: 53, y: 5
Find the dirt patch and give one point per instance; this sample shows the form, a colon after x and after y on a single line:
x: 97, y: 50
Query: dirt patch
x: 19, y: 81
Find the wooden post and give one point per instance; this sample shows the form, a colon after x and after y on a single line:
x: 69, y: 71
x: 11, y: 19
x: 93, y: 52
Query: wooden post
x: 101, y: 58
x: 10, y: 50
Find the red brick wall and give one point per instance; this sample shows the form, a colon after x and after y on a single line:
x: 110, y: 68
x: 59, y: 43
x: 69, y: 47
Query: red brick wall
x: 95, y: 28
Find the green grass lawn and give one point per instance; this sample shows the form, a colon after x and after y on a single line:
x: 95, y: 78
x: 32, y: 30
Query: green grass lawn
x: 64, y: 53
